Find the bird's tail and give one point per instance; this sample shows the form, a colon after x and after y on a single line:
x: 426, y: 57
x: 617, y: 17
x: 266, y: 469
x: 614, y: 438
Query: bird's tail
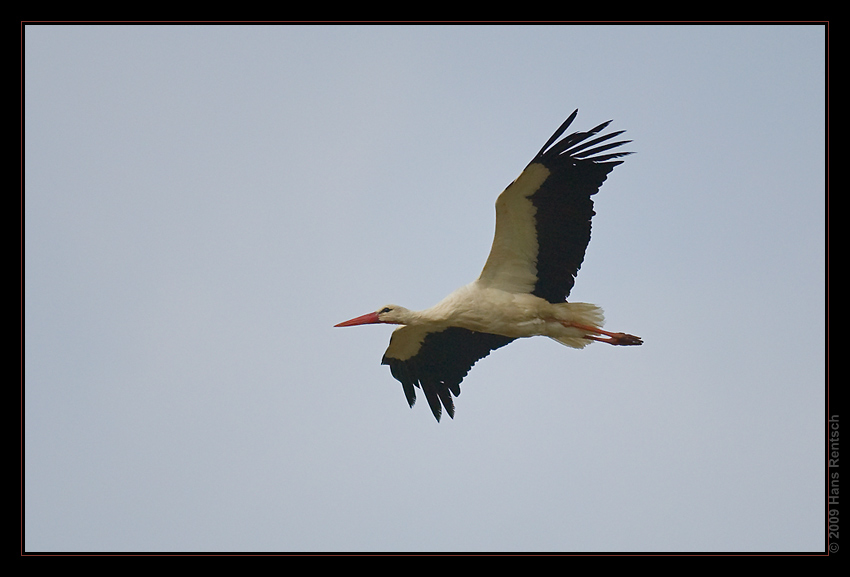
x: 585, y: 314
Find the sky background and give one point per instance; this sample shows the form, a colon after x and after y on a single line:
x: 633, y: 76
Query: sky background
x: 204, y: 203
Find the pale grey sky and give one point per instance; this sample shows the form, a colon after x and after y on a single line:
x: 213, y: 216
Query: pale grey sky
x: 203, y: 203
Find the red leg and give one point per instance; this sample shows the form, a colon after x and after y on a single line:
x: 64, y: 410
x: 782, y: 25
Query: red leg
x: 613, y: 338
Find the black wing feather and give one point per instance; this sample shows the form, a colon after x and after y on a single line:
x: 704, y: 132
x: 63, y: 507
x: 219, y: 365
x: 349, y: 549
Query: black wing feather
x: 564, y: 204
x: 443, y: 360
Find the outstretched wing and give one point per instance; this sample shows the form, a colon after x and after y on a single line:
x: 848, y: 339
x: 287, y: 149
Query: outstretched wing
x: 543, y: 217
x: 437, y: 361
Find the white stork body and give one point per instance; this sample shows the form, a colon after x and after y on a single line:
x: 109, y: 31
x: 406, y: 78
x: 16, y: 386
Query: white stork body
x: 542, y: 231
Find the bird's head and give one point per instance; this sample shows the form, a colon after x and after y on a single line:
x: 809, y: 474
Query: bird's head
x: 391, y: 314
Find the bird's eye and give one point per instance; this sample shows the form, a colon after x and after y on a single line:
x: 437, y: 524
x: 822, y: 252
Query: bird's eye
x: 384, y: 310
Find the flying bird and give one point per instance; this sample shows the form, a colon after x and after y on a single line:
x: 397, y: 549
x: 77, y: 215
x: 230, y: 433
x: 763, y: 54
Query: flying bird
x: 542, y: 232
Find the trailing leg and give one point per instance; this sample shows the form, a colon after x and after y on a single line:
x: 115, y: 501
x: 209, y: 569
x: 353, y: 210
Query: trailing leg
x: 610, y: 338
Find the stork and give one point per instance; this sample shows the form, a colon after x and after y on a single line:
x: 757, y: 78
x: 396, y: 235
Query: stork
x: 542, y: 232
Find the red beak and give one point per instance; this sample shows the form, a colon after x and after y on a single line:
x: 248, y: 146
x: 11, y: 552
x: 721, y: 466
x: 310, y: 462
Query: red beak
x: 367, y: 319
